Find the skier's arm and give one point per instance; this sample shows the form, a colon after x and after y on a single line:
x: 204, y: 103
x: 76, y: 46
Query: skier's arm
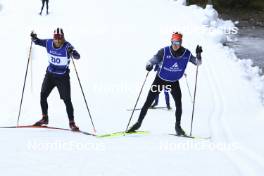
x: 156, y: 68
x: 40, y: 42
x: 36, y: 40
x: 75, y: 54
x: 155, y: 60
x: 72, y: 52
x: 195, y: 60
x: 198, y: 59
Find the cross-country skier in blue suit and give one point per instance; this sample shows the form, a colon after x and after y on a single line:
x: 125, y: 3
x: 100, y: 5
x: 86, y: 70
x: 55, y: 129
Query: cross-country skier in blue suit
x: 57, y: 74
x: 173, y: 60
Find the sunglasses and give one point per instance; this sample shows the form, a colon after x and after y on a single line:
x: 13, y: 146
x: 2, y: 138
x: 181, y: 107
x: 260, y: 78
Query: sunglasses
x: 176, y: 42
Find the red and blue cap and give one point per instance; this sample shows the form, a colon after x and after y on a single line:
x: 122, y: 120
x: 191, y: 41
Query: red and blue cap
x: 176, y: 38
x: 58, y: 34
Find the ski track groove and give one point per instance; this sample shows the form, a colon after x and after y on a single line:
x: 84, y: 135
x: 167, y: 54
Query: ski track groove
x: 245, y: 161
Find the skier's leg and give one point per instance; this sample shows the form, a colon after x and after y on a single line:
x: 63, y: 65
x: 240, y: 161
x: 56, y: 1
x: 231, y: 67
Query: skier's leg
x: 64, y: 88
x: 69, y: 109
x: 47, y: 6
x: 46, y: 88
x: 150, y: 98
x: 156, y: 87
x: 156, y: 101
x: 43, y: 2
x: 176, y: 94
x: 167, y: 98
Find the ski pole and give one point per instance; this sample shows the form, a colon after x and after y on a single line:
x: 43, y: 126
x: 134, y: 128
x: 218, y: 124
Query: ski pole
x: 31, y: 76
x: 137, y: 100
x: 25, y: 79
x: 83, y: 95
x: 188, y: 86
x: 194, y: 95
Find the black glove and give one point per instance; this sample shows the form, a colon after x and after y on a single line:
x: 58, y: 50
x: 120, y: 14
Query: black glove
x: 70, y: 50
x: 199, y: 50
x: 149, y: 67
x: 33, y: 36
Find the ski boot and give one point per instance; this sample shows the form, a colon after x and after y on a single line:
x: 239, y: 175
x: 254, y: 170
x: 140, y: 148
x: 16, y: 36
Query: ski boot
x: 43, y: 121
x: 73, y: 126
x: 179, y: 130
x: 134, y: 127
x: 168, y: 107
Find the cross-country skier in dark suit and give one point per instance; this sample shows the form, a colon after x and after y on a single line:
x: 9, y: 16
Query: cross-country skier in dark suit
x: 173, y: 61
x: 47, y: 6
x: 57, y: 74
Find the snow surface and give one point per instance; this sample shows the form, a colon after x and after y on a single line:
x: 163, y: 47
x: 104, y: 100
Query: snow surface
x: 115, y: 39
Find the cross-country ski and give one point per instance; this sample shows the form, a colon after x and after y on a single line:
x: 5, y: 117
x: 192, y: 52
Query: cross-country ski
x: 48, y: 127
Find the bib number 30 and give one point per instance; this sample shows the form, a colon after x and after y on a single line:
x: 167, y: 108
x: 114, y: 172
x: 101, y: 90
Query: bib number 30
x: 55, y: 60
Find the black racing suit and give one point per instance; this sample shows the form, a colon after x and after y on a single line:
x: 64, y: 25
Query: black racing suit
x: 63, y: 85
x: 47, y: 6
